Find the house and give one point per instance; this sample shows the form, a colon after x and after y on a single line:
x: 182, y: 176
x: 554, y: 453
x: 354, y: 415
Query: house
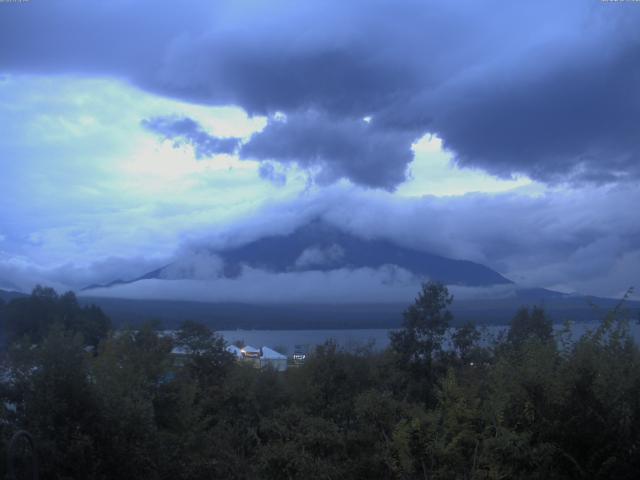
x: 235, y: 351
x: 250, y: 355
x: 271, y: 359
x: 264, y: 357
x: 250, y: 352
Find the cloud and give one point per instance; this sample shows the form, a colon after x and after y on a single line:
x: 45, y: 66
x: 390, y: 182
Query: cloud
x: 24, y: 274
x: 195, y: 265
x: 577, y: 240
x: 545, y: 89
x: 387, y: 284
x: 327, y: 148
x: 571, y: 117
x: 334, y: 148
x: 269, y: 171
x: 572, y: 240
x: 258, y: 286
x: 319, y: 256
x: 186, y: 130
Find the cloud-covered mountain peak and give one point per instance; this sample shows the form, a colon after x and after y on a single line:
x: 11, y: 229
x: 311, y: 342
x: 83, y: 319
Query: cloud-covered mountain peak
x: 319, y: 246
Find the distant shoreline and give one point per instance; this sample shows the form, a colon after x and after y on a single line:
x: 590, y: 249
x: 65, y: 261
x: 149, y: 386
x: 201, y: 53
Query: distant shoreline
x: 237, y: 316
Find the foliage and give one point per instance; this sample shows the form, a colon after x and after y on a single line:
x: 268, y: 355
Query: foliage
x: 526, y: 324
x: 32, y: 317
x: 418, y: 345
x: 148, y: 405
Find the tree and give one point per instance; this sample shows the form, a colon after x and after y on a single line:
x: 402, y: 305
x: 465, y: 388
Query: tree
x: 425, y: 324
x: 297, y: 445
x: 32, y: 317
x: 3, y: 320
x: 329, y: 381
x: 127, y: 375
x: 465, y: 339
x: 90, y: 320
x: 208, y: 359
x: 54, y: 401
x: 419, y: 342
x: 525, y: 325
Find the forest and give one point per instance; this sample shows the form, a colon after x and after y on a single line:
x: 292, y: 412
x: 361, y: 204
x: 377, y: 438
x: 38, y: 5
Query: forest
x: 439, y: 403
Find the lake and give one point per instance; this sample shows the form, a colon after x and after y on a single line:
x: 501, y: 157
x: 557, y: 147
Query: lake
x: 285, y: 341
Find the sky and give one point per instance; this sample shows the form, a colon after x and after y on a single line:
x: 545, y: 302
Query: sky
x: 134, y: 132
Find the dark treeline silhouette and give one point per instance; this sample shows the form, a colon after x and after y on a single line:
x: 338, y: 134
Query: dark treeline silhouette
x: 529, y: 404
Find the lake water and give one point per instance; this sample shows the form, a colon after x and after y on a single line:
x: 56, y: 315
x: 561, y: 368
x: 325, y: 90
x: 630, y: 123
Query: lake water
x: 285, y: 341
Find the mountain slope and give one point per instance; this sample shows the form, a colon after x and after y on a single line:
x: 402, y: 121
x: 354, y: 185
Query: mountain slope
x: 8, y: 295
x: 318, y: 246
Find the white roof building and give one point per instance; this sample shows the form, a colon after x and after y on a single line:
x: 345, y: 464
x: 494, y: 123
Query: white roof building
x: 235, y: 351
x: 272, y: 359
x: 272, y: 354
x: 249, y: 351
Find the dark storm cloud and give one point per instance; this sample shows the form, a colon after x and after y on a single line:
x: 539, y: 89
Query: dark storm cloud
x: 575, y: 119
x: 186, y: 130
x: 330, y: 148
x: 545, y: 88
x: 338, y: 148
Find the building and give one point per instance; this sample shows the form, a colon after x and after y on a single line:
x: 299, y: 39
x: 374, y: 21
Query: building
x: 264, y: 357
x: 249, y: 352
x: 271, y: 359
x: 251, y: 355
x: 235, y: 351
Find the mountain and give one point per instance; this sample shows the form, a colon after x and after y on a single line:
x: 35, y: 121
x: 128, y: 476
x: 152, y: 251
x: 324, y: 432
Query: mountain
x: 8, y: 295
x: 107, y: 285
x: 8, y: 286
x: 319, y: 246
